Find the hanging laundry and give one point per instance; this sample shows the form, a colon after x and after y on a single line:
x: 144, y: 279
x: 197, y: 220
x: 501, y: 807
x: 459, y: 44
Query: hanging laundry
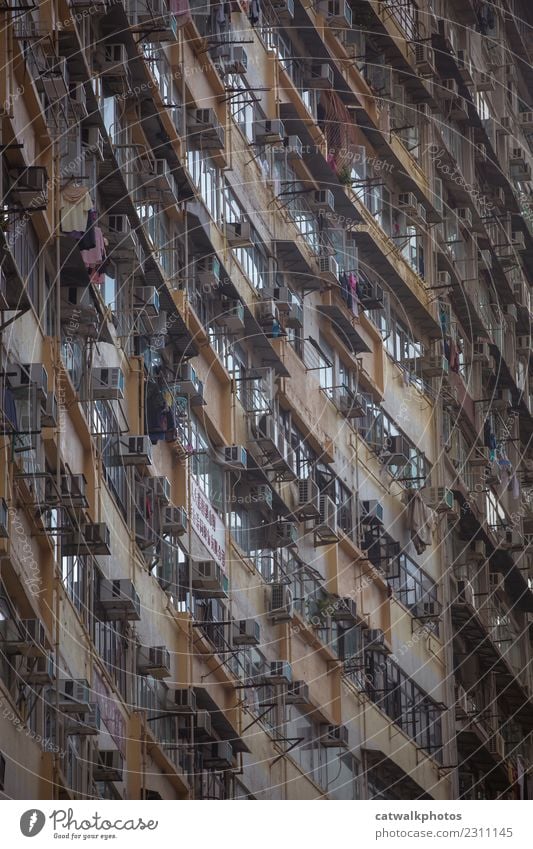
x: 352, y: 281
x: 345, y: 286
x: 88, y: 239
x: 454, y: 357
x: 76, y: 204
x: 181, y: 10
x: 94, y: 257
x: 420, y: 521
x: 255, y: 12
x: 515, y: 486
x: 9, y: 410
x: 489, y: 438
x: 332, y: 161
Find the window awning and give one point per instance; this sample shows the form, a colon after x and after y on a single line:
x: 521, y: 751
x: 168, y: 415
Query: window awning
x: 220, y: 722
x: 347, y: 331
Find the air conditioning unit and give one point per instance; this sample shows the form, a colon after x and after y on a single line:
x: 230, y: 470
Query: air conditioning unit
x: 93, y: 142
x: 49, y: 411
x: 203, y: 127
x: 426, y: 610
x: 203, y: 726
x: 237, y: 62
x: 78, y: 101
x: 280, y: 672
x: 308, y: 498
x: 466, y: 70
x: 239, y: 233
x: 108, y: 766
x: 353, y: 406
x: 481, y: 353
x: 232, y: 316
x: 464, y: 214
x: 284, y: 8
x: 323, y: 199
x: 523, y: 344
x: 441, y: 499
x: 261, y: 496
x: 154, y: 661
x: 53, y: 79
x: 496, y: 745
x: 107, y: 384
x: 373, y: 513
x: 31, y: 187
x: 281, y: 606
x: 450, y: 89
x: 267, y: 312
x: 294, y: 147
x: 269, y: 131
x: 374, y: 639
x: 425, y: 59
x: 344, y: 610
x: 25, y: 637
x: 246, y: 632
x: 188, y: 383
x: 502, y: 399
x: 236, y: 456
x: 397, y: 451
x: 408, y: 203
x: 29, y: 374
x: 184, y: 701
x: 218, y: 756
x: 161, y: 489
x: 297, y: 693
x: 326, y: 525
x: 322, y: 77
x: 174, y: 521
x: 112, y: 60
x: 93, y: 537
x: 73, y: 695
x: 136, y: 451
x: 526, y: 121
x: 40, y: 670
x: 328, y: 267
x: 282, y: 534
x: 334, y: 736
x: 88, y: 725
x: 484, y: 81
x: 146, y: 301
x: 444, y: 278
x: 338, y: 13
x: 208, y: 579
x: 118, y: 599
x: 73, y: 489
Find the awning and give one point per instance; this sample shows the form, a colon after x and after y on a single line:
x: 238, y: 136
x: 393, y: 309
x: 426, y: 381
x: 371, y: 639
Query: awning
x: 220, y: 722
x: 346, y: 329
x: 392, y: 775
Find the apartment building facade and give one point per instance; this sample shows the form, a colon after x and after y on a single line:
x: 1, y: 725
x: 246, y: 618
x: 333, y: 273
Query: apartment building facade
x: 266, y: 409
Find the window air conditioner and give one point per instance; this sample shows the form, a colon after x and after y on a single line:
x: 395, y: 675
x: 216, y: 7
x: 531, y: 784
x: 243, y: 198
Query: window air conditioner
x: 108, y: 766
x: 344, y: 610
x: 334, y: 736
x: 88, y: 725
x: 154, y: 661
x: 373, y: 512
x: 184, y: 701
x: 118, y: 599
x: 298, y: 694
x: 269, y: 131
x: 107, y: 384
x: 161, y: 489
x: 174, y: 520
x: 24, y: 376
x: 338, y: 13
x: 374, y: 639
x: 326, y: 526
x: 218, y: 756
x: 308, y: 498
x: 136, y: 451
x: 280, y: 673
x: 281, y: 606
x: 246, y: 632
x: 236, y: 456
x: 146, y: 301
x: 441, y: 499
x: 208, y: 579
x: 282, y: 534
x: 73, y: 695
